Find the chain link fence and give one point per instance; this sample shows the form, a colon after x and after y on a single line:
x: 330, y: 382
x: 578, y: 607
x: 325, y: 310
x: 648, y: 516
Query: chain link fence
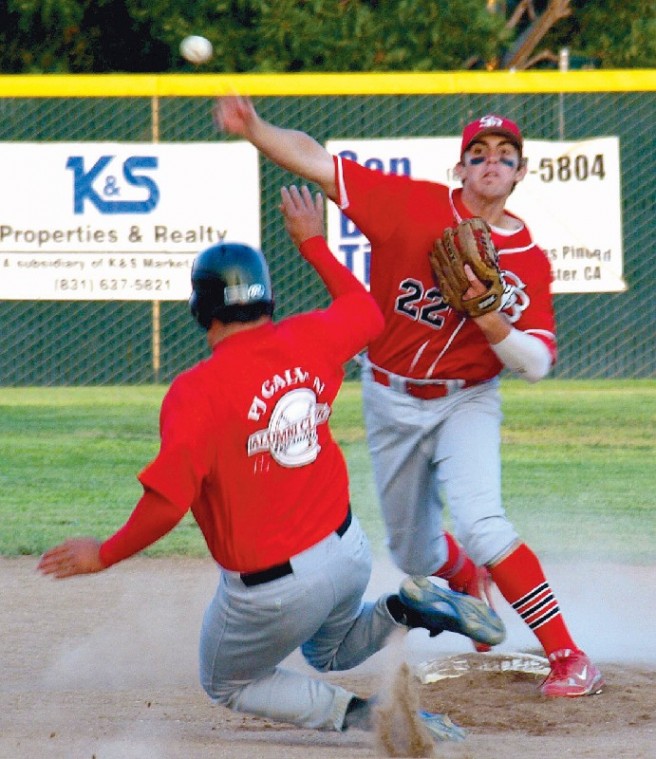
x: 112, y: 342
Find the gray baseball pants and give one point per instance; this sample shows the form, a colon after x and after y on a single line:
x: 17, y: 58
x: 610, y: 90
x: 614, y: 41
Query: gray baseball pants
x: 426, y: 453
x: 248, y: 631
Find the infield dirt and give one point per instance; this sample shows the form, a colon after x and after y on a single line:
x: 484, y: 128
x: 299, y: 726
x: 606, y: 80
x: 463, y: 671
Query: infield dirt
x: 104, y: 667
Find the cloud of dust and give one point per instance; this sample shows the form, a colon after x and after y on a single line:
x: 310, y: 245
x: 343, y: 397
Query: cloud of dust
x: 399, y: 731
x: 150, y: 639
x: 607, y: 608
x: 129, y: 747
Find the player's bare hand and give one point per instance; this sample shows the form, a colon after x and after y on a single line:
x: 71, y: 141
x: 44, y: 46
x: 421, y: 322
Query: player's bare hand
x: 494, y: 325
x: 476, y: 287
x: 76, y: 556
x: 233, y: 114
x: 303, y: 213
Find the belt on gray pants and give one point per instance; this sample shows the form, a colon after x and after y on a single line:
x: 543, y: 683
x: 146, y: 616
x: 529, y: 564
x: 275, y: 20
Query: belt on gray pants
x: 424, y: 389
x: 281, y: 570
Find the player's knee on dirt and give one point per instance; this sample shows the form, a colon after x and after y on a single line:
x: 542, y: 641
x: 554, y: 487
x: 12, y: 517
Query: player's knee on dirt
x: 222, y: 693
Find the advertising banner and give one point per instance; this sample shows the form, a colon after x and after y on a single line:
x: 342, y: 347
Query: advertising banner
x: 109, y: 221
x: 570, y: 199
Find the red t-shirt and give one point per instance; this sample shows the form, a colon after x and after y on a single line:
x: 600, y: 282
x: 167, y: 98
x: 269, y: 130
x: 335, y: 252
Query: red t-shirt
x: 424, y: 338
x: 245, y: 441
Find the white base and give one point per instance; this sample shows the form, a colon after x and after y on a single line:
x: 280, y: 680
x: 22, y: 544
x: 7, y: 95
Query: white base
x: 460, y: 664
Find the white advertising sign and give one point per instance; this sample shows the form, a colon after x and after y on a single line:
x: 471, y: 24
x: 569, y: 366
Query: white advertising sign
x: 570, y: 200
x: 110, y: 221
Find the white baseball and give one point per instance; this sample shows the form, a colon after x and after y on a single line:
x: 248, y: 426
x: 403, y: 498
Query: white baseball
x: 196, y: 49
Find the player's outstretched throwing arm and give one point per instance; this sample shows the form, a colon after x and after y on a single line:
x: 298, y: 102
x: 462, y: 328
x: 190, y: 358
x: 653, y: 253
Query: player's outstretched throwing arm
x: 295, y: 151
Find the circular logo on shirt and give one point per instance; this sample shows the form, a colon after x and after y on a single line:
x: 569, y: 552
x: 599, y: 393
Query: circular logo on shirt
x: 515, y: 300
x: 291, y: 437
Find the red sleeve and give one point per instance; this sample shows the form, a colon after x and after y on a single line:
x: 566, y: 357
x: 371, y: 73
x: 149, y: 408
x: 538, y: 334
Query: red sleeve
x: 185, y: 453
x: 353, y: 319
x: 336, y: 277
x: 347, y: 326
x: 374, y: 201
x: 151, y: 519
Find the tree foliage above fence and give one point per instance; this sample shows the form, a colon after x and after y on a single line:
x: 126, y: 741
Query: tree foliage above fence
x: 100, y: 36
x: 618, y: 33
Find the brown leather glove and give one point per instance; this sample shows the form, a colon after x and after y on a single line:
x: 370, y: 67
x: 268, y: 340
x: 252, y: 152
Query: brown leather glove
x: 468, y: 243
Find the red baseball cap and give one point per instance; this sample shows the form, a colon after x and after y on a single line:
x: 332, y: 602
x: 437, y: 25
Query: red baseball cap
x: 491, y: 124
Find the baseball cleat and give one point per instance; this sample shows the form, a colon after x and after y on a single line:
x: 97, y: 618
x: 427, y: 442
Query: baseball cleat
x: 441, y: 728
x: 439, y: 609
x: 572, y: 674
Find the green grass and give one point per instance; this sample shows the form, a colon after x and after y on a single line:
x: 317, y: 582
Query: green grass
x: 579, y: 467
x: 579, y: 471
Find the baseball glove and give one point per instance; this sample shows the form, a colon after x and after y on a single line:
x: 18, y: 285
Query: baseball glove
x: 468, y: 243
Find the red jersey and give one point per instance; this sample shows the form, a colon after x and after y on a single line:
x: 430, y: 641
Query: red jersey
x: 423, y: 337
x: 245, y: 441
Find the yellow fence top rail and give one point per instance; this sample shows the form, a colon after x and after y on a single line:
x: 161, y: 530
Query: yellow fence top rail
x: 378, y: 83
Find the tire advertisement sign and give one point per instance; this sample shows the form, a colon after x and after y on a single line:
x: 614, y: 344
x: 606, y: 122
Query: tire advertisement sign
x: 109, y: 221
x: 570, y: 199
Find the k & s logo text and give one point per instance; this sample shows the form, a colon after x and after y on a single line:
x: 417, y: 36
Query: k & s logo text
x: 113, y: 188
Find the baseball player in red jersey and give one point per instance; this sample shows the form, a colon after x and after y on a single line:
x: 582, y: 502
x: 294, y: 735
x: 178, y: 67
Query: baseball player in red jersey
x: 430, y: 380
x: 246, y: 446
